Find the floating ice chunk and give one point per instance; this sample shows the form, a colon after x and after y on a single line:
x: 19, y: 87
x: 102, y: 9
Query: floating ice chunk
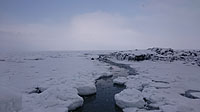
x: 62, y: 96
x: 160, y: 85
x: 55, y: 109
x: 154, y: 95
x: 158, y: 96
x: 105, y: 75
x: 120, y: 80
x: 10, y: 101
x: 140, y: 110
x: 87, y: 89
x: 129, y: 98
x: 168, y: 108
x: 177, y: 108
x: 130, y: 110
x: 102, y: 75
x: 138, y: 83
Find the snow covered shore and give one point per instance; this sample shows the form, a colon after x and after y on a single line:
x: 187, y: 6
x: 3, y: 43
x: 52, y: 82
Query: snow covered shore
x: 161, y: 54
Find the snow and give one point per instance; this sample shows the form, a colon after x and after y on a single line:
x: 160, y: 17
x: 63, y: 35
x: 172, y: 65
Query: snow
x: 140, y: 110
x: 53, y: 81
x: 129, y: 98
x: 10, y: 101
x: 120, y: 80
x: 162, y: 79
x: 86, y: 89
x: 130, y: 109
x: 62, y: 96
x: 161, y: 54
x: 197, y: 94
x: 60, y: 77
x: 103, y: 75
x: 138, y: 82
x: 182, y: 108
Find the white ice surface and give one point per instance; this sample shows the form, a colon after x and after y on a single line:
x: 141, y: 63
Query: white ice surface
x: 71, y: 73
x: 163, y: 82
x: 196, y: 94
x: 120, y: 80
x: 60, y: 75
x: 87, y: 89
x: 139, y: 110
x: 10, y: 101
x: 131, y: 109
x: 129, y: 98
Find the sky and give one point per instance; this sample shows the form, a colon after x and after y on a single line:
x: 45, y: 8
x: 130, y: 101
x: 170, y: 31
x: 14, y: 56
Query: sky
x: 40, y: 25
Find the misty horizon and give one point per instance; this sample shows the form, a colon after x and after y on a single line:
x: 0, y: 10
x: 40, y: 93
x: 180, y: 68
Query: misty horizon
x: 98, y: 25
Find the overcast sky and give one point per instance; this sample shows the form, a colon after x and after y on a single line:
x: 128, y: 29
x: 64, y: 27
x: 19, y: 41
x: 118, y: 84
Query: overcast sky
x: 98, y: 24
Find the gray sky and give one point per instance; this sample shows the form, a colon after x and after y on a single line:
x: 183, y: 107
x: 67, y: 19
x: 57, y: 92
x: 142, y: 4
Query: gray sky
x: 98, y: 24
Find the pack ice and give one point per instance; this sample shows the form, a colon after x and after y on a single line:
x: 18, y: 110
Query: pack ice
x: 47, y: 81
x: 168, y: 80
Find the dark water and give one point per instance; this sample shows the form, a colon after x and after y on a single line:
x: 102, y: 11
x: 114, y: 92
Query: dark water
x: 131, y: 71
x: 103, y: 100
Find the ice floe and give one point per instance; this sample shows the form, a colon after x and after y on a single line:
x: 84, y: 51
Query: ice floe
x: 129, y: 98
